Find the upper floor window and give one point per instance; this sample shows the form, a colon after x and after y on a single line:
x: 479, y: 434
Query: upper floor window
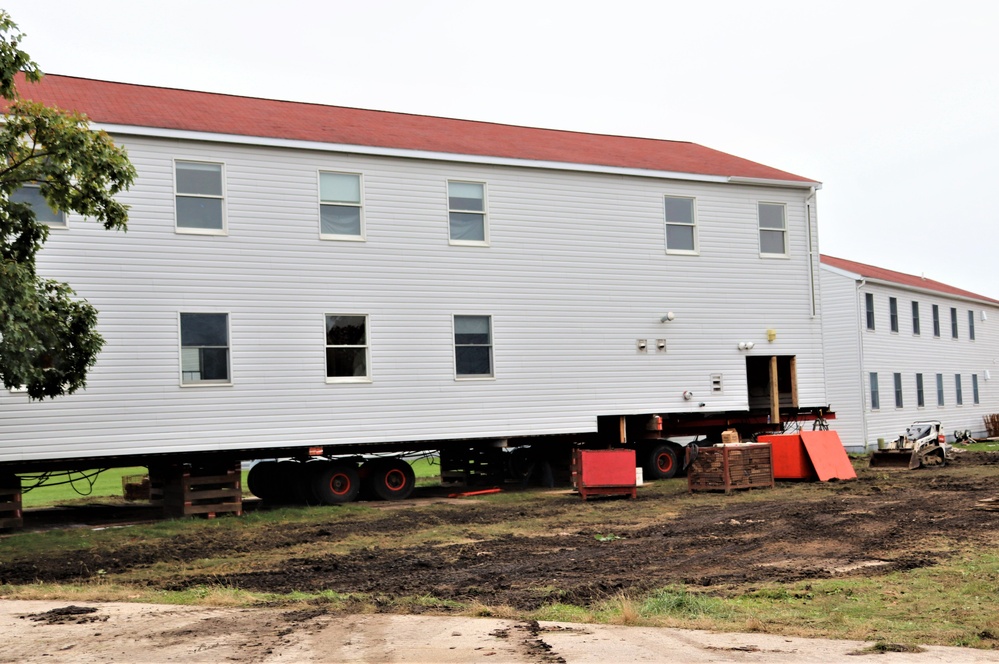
x: 915, y: 318
x: 875, y: 394
x: 346, y: 348
x: 936, y: 320
x: 32, y: 195
x: 869, y: 309
x: 204, y: 348
x: 200, y: 197
x: 466, y: 206
x: 473, y: 346
x: 893, y: 313
x: 953, y: 322
x: 773, y: 229
x: 340, y: 216
x: 971, y: 325
x: 681, y: 236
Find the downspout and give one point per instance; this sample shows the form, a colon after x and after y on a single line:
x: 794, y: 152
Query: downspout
x: 863, y: 367
x: 811, y: 249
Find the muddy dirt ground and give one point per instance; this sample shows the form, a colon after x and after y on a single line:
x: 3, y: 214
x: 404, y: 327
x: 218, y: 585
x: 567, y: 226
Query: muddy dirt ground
x: 883, y: 521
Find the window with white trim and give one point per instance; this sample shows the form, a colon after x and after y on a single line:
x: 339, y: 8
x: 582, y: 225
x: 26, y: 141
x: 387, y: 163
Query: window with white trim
x: 200, y: 195
x: 940, y: 390
x: 893, y: 313
x: 920, y: 394
x: 466, y: 208
x: 958, y: 392
x: 915, y: 318
x: 875, y: 393
x: 869, y: 309
x: 953, y: 322
x: 936, y: 320
x: 974, y: 388
x: 897, y: 378
x: 204, y: 348
x: 681, y: 230
x: 346, y: 348
x: 32, y: 195
x: 773, y: 229
x: 971, y: 325
x: 473, y: 346
x: 340, y: 211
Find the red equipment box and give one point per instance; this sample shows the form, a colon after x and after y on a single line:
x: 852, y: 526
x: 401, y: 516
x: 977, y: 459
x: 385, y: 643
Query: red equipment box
x: 789, y: 457
x: 604, y: 473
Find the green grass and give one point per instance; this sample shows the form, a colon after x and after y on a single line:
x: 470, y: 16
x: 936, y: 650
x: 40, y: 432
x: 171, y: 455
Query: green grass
x: 984, y: 446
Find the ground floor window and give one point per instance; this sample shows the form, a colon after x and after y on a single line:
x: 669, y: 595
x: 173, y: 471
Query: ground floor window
x: 875, y: 396
x: 473, y: 346
x: 346, y: 348
x: 204, y: 348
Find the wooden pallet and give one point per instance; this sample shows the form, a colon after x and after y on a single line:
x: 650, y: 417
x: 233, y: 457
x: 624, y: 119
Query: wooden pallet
x: 11, y: 515
x: 731, y: 467
x: 185, y: 490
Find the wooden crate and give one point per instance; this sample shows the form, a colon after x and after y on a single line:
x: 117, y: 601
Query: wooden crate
x: 10, y: 502
x: 731, y: 467
x: 186, y: 490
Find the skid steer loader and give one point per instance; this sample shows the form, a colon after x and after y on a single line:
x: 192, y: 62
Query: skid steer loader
x: 924, y: 444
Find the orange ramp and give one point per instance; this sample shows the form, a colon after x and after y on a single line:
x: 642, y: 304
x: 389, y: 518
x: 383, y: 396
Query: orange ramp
x: 828, y: 457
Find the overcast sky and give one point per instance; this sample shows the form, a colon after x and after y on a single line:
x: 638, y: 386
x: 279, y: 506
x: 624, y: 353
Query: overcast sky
x: 894, y: 106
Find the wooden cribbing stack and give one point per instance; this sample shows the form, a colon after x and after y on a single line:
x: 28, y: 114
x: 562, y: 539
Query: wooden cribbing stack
x: 10, y: 502
x: 187, y: 490
x: 743, y: 466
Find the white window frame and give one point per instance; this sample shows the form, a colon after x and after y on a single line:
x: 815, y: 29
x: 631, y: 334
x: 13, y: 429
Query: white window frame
x: 916, y: 322
x: 180, y: 350
x: 958, y: 390
x: 971, y: 325
x: 920, y: 391
x: 692, y: 225
x: 896, y: 380
x: 484, y: 212
x: 893, y: 326
x: 760, y: 229
x: 941, y: 397
x: 875, y: 390
x: 367, y: 351
x: 492, y: 349
x: 176, y: 194
x: 51, y: 224
x: 359, y: 205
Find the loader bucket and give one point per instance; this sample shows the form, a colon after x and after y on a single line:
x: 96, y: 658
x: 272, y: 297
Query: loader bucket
x: 890, y: 459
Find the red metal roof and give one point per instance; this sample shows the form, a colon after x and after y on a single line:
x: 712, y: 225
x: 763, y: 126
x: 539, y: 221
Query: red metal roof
x: 881, y: 274
x: 147, y: 106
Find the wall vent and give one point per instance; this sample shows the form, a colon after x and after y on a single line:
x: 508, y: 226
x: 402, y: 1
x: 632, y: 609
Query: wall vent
x: 716, y: 383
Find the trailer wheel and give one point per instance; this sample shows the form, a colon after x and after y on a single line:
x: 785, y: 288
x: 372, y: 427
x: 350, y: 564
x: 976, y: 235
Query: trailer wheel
x: 661, y: 463
x: 337, y: 483
x: 392, y: 479
x: 260, y: 480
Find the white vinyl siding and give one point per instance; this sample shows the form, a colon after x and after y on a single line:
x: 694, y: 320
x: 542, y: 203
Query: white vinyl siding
x: 681, y: 226
x: 575, y: 274
x: 341, y: 214
x: 200, y: 197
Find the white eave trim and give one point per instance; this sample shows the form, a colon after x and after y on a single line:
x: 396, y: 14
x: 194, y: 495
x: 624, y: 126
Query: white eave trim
x: 183, y: 134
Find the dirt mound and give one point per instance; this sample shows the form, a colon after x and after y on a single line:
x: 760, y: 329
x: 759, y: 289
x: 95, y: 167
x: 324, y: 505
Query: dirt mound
x: 884, y: 521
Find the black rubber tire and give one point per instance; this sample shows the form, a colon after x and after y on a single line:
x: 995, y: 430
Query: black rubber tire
x: 391, y: 479
x: 260, y: 480
x: 661, y: 462
x: 337, y: 483
x: 290, y: 483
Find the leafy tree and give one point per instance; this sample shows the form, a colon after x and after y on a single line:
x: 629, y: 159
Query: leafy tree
x: 48, y: 338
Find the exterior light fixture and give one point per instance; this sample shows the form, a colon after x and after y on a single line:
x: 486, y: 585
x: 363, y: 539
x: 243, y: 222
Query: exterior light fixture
x: 746, y: 345
x: 668, y: 317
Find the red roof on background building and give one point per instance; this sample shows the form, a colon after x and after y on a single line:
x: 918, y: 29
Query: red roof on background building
x: 881, y: 274
x: 105, y: 102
